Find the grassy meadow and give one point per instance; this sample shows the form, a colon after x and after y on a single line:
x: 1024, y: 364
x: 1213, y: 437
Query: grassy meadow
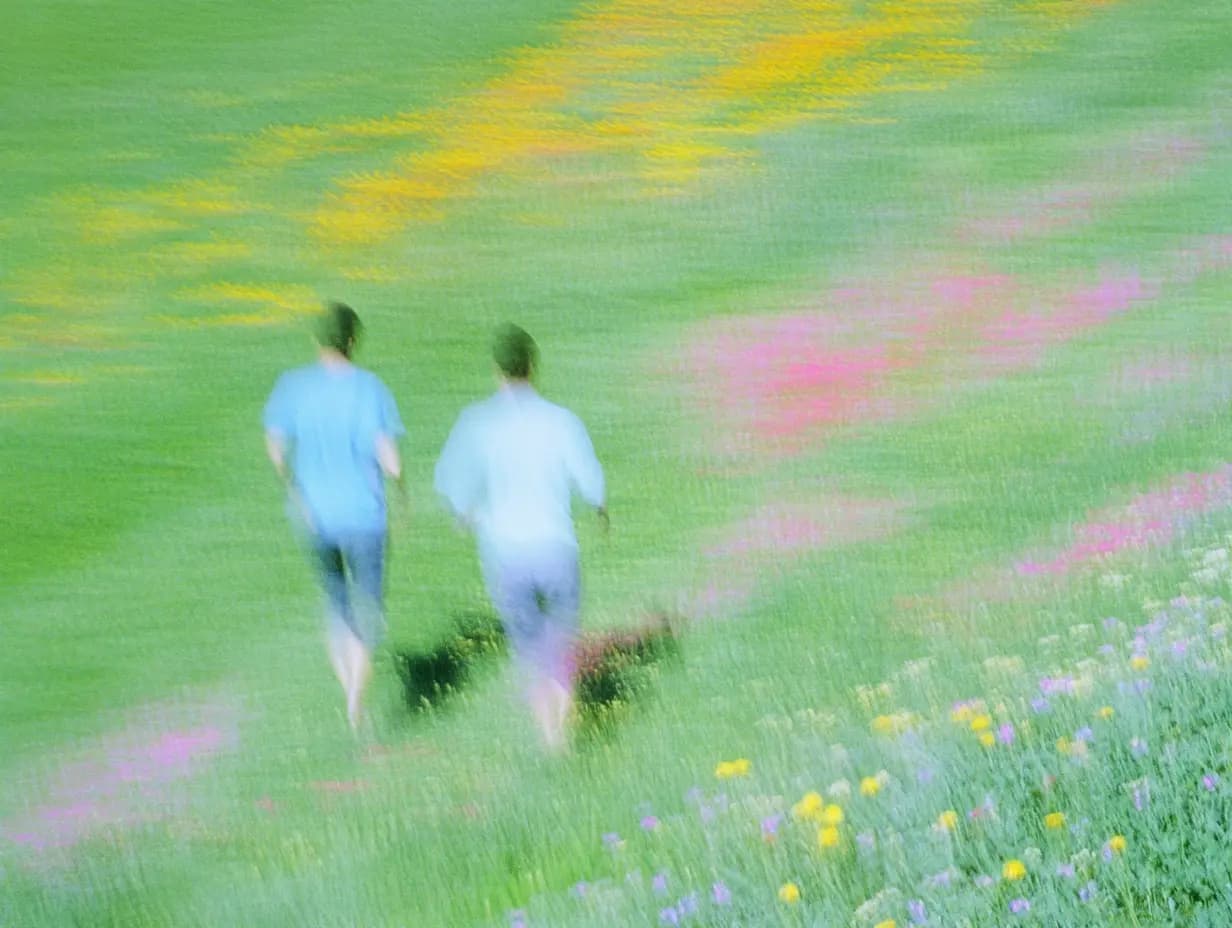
x: 899, y: 327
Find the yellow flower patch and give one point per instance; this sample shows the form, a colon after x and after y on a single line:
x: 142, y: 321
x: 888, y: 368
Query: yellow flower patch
x: 729, y: 769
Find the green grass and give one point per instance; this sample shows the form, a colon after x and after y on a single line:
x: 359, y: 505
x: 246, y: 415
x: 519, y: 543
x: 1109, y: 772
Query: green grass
x: 147, y: 562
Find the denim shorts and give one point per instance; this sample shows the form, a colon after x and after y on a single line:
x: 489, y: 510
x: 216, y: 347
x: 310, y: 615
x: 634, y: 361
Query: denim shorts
x: 351, y: 567
x: 537, y: 593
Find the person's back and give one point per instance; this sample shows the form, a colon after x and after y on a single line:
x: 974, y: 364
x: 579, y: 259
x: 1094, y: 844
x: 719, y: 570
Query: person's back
x: 531, y: 455
x: 333, y: 415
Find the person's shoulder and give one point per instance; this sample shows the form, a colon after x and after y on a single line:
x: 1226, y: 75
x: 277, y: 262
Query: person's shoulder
x: 371, y: 380
x: 294, y: 377
x: 563, y: 415
x: 480, y: 409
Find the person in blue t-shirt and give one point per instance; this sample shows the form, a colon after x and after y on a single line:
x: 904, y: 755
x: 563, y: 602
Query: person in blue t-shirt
x: 331, y: 431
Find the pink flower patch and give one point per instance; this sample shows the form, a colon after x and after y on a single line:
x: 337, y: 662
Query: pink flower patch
x: 124, y: 779
x: 1019, y: 338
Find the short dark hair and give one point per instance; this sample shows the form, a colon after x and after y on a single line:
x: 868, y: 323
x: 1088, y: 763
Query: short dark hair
x: 515, y: 352
x: 339, y: 328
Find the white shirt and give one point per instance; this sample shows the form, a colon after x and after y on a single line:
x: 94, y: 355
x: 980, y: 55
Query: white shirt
x: 510, y: 467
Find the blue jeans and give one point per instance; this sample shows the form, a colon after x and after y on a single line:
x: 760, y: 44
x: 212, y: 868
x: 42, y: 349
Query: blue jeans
x: 537, y: 593
x: 351, y: 566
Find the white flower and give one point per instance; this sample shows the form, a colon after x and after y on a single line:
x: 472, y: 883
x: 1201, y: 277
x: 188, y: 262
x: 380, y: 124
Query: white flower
x: 1215, y: 557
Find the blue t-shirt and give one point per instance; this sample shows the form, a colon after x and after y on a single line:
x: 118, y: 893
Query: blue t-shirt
x: 330, y: 418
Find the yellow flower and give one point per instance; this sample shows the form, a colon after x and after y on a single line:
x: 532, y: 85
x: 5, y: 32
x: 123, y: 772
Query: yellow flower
x: 1054, y: 820
x: 832, y: 815
x: 1139, y: 662
x: 894, y: 724
x: 1013, y: 870
x: 870, y: 786
x: 948, y: 820
x: 828, y: 837
x: 732, y: 768
x: 988, y: 739
x: 962, y: 714
x: 1116, y: 844
x: 981, y: 722
x: 1105, y: 712
x: 789, y: 893
x: 888, y: 923
x: 809, y: 806
x: 1063, y: 745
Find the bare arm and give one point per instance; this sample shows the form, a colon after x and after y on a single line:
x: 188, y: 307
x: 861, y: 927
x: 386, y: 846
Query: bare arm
x: 389, y: 457
x: 276, y: 448
x: 390, y: 460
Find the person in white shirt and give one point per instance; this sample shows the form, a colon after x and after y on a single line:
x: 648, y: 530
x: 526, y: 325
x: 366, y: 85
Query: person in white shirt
x: 508, y: 472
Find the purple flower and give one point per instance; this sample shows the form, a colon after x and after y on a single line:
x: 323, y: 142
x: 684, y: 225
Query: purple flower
x: 1084, y: 733
x: 707, y: 814
x: 924, y: 776
x: 1020, y: 906
x: 580, y: 888
x: 943, y: 879
x: 866, y: 841
x: 1142, y: 685
x: 1179, y: 648
x: 1111, y: 624
x: 517, y: 918
x: 1138, y: 747
x: 659, y: 883
x: 1005, y: 734
x: 916, y: 912
x: 693, y: 795
x: 1107, y: 650
x: 1039, y: 705
x: 611, y: 840
x: 1066, y: 871
x: 669, y: 916
x: 1210, y: 781
x: 649, y: 823
x: 687, y: 905
x: 1087, y: 893
x: 1142, y: 796
x: 770, y: 826
x: 983, y: 881
x: 1050, y: 686
x: 720, y: 893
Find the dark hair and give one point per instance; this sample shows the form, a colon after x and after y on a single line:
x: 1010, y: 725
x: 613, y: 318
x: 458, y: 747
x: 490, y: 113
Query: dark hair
x: 339, y: 328
x: 515, y: 352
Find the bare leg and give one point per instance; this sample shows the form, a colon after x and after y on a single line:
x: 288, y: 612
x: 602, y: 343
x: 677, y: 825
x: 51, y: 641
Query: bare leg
x: 336, y: 643
x: 359, y: 672
x: 550, y: 703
